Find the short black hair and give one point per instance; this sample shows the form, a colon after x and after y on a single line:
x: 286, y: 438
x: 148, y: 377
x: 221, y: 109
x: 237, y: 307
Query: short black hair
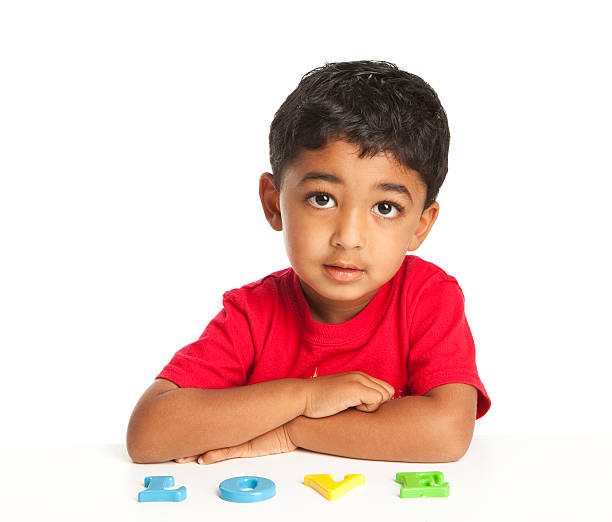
x: 370, y: 103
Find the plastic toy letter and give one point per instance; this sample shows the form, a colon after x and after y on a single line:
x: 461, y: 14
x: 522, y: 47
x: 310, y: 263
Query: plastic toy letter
x: 247, y: 489
x: 325, y: 485
x: 426, y: 484
x: 156, y: 490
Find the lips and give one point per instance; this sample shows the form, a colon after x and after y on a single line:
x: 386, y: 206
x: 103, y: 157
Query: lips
x: 340, y: 264
x: 344, y: 272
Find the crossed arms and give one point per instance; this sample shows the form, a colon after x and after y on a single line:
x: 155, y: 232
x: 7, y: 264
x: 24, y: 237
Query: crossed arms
x: 348, y: 414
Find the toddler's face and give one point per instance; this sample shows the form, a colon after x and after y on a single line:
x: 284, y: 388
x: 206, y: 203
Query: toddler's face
x: 336, y: 209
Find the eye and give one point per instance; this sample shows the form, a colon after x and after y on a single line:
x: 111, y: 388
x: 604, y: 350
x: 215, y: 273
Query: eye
x: 320, y: 200
x: 387, y: 209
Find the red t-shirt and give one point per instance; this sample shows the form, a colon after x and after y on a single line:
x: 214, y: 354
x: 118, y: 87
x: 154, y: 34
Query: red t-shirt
x: 412, y: 334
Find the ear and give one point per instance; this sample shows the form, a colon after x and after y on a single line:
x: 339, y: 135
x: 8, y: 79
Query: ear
x: 270, y: 201
x: 428, y: 218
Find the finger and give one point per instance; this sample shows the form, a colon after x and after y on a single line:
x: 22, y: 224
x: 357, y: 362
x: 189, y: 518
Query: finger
x: 374, y: 396
x: 184, y: 460
x: 210, y: 457
x: 371, y: 393
x: 375, y: 391
x: 384, y: 387
x: 387, y: 390
x: 368, y: 408
x: 380, y: 382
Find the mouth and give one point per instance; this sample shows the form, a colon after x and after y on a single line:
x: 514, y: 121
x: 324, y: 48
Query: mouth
x: 341, y: 264
x: 344, y: 272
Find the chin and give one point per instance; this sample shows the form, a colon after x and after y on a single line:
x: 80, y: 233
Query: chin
x: 343, y: 291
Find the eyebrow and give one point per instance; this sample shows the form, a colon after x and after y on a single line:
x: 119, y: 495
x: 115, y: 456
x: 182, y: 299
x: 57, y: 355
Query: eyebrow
x: 332, y: 178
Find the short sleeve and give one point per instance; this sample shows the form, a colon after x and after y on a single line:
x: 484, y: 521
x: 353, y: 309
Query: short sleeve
x: 442, y: 349
x: 220, y: 358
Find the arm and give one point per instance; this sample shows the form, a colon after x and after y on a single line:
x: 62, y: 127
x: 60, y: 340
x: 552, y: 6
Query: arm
x: 171, y: 422
x: 436, y: 427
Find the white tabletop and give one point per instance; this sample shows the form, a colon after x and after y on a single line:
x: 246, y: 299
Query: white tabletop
x: 501, y: 478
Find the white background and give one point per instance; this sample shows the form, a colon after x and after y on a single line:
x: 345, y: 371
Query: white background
x: 132, y: 138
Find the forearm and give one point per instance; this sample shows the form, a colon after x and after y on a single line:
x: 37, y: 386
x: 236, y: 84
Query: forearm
x: 190, y: 421
x: 410, y: 429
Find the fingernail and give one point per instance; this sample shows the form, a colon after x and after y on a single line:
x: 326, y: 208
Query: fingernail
x: 200, y: 460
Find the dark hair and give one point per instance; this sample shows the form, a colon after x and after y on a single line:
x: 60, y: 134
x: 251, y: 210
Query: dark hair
x: 371, y: 103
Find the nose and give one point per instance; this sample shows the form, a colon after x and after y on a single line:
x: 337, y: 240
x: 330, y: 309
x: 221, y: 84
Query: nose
x: 349, y: 229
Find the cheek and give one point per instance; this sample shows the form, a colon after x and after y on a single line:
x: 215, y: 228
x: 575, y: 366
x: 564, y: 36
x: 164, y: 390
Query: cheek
x: 390, y: 241
x: 302, y: 236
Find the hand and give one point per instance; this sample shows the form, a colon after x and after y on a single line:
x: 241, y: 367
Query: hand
x: 271, y: 443
x: 331, y: 394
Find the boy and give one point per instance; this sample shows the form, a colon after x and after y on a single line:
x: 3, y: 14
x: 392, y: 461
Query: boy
x: 312, y: 355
